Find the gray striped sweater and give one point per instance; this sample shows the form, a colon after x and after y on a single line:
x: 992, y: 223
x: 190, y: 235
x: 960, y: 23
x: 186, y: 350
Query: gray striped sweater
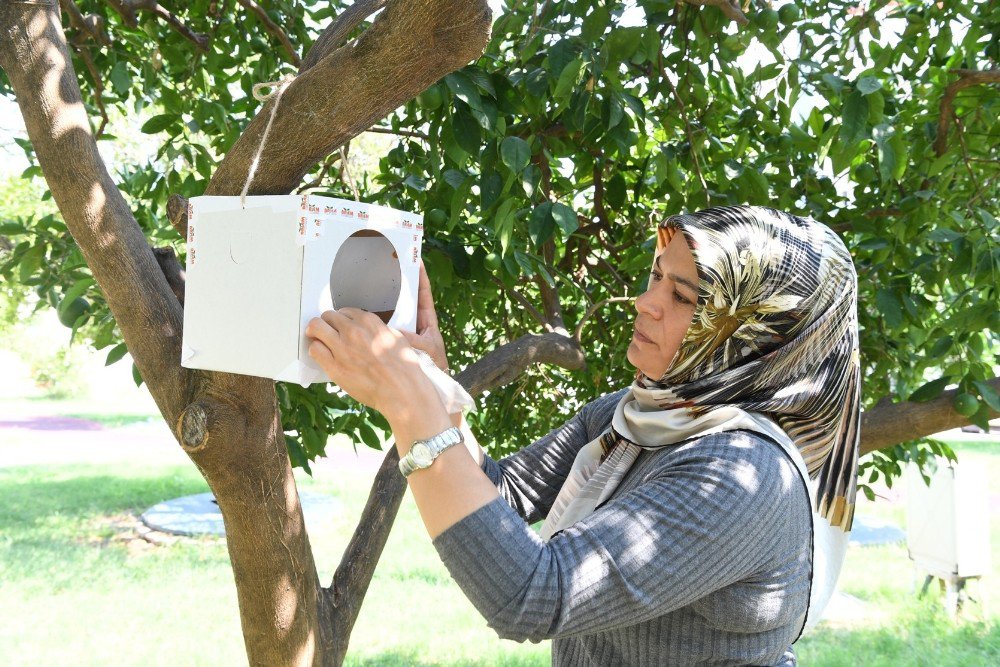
x: 701, y: 556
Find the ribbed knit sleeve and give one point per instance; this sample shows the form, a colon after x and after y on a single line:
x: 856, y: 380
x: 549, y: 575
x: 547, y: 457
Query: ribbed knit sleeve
x: 530, y: 479
x: 708, y: 514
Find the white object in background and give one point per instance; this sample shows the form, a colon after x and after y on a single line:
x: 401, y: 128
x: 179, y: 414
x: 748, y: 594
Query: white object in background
x: 948, y: 525
x: 257, y: 275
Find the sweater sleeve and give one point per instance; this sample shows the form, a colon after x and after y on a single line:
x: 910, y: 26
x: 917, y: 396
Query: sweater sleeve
x: 530, y: 479
x: 710, y: 517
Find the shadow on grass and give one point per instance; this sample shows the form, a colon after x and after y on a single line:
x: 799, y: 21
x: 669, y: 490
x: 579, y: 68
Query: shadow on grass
x: 930, y: 640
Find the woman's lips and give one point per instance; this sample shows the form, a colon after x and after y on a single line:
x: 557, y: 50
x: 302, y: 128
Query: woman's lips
x: 642, y: 339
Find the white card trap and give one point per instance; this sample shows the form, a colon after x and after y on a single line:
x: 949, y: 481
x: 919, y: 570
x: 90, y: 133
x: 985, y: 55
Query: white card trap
x: 257, y: 275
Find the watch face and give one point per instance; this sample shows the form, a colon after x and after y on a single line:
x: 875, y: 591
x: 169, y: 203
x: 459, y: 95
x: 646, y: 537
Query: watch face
x: 421, y: 454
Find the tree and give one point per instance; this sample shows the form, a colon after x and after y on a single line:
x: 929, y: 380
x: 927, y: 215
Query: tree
x: 540, y: 168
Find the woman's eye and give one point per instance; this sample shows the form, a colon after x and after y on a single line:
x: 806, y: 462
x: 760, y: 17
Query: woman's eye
x: 655, y: 277
x: 680, y: 297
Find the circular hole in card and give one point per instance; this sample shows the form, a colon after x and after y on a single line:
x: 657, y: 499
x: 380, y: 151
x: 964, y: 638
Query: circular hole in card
x: 366, y: 274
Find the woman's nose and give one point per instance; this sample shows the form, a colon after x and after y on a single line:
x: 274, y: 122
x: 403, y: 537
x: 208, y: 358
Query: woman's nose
x: 645, y: 303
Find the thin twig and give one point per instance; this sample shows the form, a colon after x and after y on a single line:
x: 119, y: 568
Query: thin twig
x: 399, y: 133
x: 274, y: 29
x: 524, y: 303
x: 127, y: 9
x: 324, y: 168
x: 593, y: 309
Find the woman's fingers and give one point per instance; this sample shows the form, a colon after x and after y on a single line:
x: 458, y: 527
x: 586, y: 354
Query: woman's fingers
x: 426, y: 315
x: 321, y: 355
x: 323, y: 330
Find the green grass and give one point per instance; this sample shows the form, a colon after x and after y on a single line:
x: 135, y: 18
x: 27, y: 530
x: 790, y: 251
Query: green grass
x: 75, y: 591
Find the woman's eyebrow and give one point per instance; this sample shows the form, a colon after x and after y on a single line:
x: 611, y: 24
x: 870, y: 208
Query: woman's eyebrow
x: 676, y: 278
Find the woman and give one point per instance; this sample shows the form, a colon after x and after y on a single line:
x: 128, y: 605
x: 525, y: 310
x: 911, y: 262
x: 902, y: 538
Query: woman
x: 680, y: 527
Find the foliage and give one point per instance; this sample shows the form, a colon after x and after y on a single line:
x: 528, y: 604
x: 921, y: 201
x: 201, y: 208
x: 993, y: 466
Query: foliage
x: 547, y: 161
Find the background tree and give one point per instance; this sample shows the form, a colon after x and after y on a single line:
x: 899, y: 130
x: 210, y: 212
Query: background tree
x: 541, y: 169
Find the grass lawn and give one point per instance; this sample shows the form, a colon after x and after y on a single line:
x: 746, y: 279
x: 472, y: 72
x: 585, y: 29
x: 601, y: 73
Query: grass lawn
x: 75, y: 590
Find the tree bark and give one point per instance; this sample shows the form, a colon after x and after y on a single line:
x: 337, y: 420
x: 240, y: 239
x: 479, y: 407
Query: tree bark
x: 888, y: 424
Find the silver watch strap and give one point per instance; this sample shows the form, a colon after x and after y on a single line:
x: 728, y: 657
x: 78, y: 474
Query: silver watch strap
x: 435, y: 445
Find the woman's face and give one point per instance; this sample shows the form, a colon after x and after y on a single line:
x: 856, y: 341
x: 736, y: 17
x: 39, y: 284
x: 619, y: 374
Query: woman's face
x: 665, y: 309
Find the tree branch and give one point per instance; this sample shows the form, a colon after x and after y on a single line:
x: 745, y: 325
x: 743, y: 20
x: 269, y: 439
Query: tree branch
x: 887, y: 424
x: 406, y: 49
x: 337, y: 32
x: 274, y: 29
x: 127, y: 10
x: 593, y: 309
x: 177, y: 209
x: 172, y: 271
x: 966, y: 78
x: 520, y: 298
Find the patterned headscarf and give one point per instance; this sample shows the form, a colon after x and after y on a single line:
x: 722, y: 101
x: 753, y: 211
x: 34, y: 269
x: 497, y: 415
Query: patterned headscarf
x: 774, y: 331
x: 772, y: 348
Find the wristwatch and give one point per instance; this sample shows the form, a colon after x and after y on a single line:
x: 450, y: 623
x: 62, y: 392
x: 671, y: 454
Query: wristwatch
x: 423, y: 452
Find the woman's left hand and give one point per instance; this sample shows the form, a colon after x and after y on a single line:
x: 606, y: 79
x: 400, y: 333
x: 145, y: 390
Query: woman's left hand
x: 367, y: 359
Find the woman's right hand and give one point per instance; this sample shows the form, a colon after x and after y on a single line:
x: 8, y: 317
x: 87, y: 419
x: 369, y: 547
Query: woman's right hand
x: 428, y: 337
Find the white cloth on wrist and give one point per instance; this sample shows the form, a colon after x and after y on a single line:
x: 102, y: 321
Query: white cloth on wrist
x: 454, y: 396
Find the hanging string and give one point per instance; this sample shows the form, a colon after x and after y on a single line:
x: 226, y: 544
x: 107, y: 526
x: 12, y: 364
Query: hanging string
x: 347, y: 174
x: 278, y: 89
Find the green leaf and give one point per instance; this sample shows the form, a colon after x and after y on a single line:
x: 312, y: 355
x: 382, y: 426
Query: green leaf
x: 595, y: 22
x: 12, y: 228
x: 568, y: 79
x: 468, y: 132
x: 868, y: 85
x: 136, y: 375
x: 159, y: 123
x: 116, y: 353
x: 503, y: 223
x: 541, y: 225
x: 989, y: 395
x: 890, y: 307
x: 930, y: 390
x: 515, y: 153
x: 30, y: 262
x: 622, y: 44
x: 941, y: 346
x: 464, y: 89
x: 565, y: 218
x: 855, y: 118
x: 121, y: 80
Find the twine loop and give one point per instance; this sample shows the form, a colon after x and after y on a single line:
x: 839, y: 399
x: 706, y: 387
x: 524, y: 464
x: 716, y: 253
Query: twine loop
x: 277, y: 90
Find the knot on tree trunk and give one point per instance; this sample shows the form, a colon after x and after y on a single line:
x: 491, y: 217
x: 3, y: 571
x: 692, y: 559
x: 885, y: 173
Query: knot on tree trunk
x: 192, y: 427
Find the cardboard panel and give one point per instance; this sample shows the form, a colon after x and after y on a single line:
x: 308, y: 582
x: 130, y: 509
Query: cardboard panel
x: 241, y: 303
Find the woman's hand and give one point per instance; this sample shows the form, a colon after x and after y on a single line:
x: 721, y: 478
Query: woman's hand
x: 428, y: 337
x: 370, y: 361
